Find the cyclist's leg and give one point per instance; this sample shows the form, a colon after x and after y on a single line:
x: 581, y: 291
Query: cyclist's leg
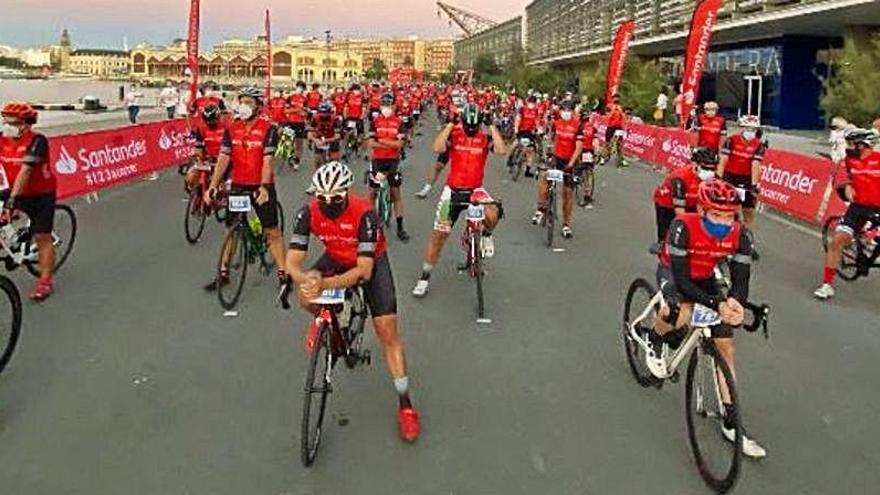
x: 567, y: 199
x: 268, y: 215
x: 41, y: 211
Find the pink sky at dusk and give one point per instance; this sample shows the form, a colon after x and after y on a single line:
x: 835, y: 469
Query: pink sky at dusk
x: 104, y: 23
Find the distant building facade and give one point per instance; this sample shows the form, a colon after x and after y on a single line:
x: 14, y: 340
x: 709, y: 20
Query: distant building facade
x: 99, y: 62
x: 500, y: 41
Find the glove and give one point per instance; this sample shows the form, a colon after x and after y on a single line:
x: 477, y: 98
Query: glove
x: 487, y: 118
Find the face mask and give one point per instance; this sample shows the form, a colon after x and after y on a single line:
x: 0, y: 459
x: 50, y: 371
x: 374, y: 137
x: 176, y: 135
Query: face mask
x: 749, y: 135
x: 716, y: 230
x: 565, y: 115
x: 10, y: 131
x: 245, y: 112
x: 471, y: 130
x: 705, y: 175
x: 850, y: 152
x: 531, y: 106
x: 386, y: 112
x: 333, y: 210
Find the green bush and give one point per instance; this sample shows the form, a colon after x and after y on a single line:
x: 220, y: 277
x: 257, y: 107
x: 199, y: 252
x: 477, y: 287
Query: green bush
x: 642, y: 81
x: 853, y: 90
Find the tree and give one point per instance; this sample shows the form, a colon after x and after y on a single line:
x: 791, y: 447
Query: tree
x: 486, y: 70
x: 13, y: 63
x: 378, y: 70
x: 853, y: 89
x: 641, y: 82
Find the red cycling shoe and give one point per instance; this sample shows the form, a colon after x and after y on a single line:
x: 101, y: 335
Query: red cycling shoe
x: 408, y: 420
x: 42, y: 290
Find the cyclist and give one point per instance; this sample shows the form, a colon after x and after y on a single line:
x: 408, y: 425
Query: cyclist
x: 740, y: 165
x: 314, y: 99
x: 354, y: 108
x: 590, y: 143
x: 696, y: 243
x: 453, y: 115
x: 710, y: 127
x: 277, y: 108
x: 325, y: 135
x: 355, y: 254
x: 211, y: 96
x: 861, y: 188
x: 615, y: 117
x: 525, y: 127
x: 567, y: 146
x: 28, y: 184
x: 468, y: 146
x: 677, y: 194
x: 207, y: 136
x: 338, y: 99
x: 249, y: 145
x: 296, y: 117
x: 386, y: 143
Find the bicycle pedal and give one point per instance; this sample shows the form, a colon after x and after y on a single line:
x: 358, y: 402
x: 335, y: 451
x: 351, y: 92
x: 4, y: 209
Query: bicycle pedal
x: 675, y: 377
x: 366, y: 357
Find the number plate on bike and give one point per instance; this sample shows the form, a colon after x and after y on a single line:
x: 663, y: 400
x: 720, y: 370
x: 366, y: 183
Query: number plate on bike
x: 330, y: 296
x: 202, y: 166
x: 525, y: 141
x: 239, y: 204
x: 554, y: 175
x: 476, y: 212
x: 704, y: 317
x: 352, y: 124
x: 619, y: 133
x: 587, y: 157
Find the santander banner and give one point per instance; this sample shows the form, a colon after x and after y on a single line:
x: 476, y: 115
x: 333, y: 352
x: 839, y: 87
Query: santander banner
x: 92, y: 161
x: 268, y: 56
x: 702, y: 23
x: 192, y: 49
x: 618, y: 57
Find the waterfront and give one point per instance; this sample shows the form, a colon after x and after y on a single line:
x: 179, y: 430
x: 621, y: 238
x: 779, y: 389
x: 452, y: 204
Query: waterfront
x: 67, y: 91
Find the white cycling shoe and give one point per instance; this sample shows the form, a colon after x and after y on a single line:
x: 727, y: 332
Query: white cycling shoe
x: 424, y: 191
x: 537, y: 217
x: 567, y: 232
x: 487, y: 246
x: 825, y: 291
x: 751, y: 448
x: 420, y: 289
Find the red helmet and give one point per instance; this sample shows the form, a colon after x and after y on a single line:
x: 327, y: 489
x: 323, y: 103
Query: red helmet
x: 20, y: 110
x: 715, y: 194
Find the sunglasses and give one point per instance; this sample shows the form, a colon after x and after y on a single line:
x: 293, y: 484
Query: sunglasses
x: 332, y: 199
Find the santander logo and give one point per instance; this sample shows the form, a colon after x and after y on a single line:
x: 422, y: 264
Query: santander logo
x: 165, y: 142
x: 65, y: 164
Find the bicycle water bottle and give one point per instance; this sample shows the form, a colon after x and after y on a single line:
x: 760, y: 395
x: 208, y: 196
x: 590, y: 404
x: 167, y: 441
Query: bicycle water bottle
x: 9, y: 234
x: 256, y: 226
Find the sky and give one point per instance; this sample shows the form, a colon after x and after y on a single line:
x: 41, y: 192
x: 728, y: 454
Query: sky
x: 104, y: 23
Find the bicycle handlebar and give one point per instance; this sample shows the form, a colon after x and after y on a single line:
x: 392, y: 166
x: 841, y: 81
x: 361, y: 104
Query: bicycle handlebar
x: 760, y: 318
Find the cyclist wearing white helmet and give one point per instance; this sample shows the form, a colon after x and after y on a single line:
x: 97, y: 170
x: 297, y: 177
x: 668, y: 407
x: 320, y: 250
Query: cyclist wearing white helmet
x: 355, y: 254
x: 740, y: 165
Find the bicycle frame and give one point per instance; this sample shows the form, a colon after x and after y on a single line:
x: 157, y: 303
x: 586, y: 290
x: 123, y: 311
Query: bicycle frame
x: 22, y: 233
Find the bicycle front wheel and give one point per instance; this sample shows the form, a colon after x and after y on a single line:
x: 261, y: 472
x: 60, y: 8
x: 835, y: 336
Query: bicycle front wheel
x: 234, y: 251
x: 586, y: 187
x: 551, y: 217
x: 516, y: 164
x: 477, y: 272
x: 317, y: 388
x: 63, y: 237
x: 10, y: 320
x: 638, y: 297
x: 196, y: 214
x: 717, y: 458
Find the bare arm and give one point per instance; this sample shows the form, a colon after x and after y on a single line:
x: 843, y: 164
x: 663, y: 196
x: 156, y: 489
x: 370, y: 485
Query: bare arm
x: 362, y: 272
x: 440, y: 142
x: 498, y: 146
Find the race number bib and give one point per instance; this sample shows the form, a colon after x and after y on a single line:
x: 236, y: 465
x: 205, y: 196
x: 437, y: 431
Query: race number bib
x: 330, y: 296
x: 555, y: 175
x: 703, y: 317
x: 352, y: 124
x: 239, y: 204
x: 587, y: 157
x: 476, y: 212
x: 619, y: 133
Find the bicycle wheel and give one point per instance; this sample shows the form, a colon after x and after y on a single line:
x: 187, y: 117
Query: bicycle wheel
x: 235, y: 249
x: 551, y: 216
x: 63, y: 237
x: 383, y: 205
x: 477, y: 272
x: 10, y: 321
x: 195, y: 216
x: 516, y: 164
x: 317, y: 388
x: 848, y: 268
x: 638, y: 296
x: 586, y: 187
x: 356, y: 329
x: 717, y: 459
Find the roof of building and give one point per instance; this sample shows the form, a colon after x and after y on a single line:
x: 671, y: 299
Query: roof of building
x: 101, y: 52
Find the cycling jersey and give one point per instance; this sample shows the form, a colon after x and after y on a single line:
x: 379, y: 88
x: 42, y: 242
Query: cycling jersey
x: 528, y: 119
x: 864, y: 177
x: 277, y: 108
x: 355, y: 233
x: 679, y: 189
x: 29, y: 150
x: 710, y: 130
x: 375, y: 100
x: 467, y: 158
x: 615, y: 117
x: 566, y: 135
x: 354, y: 106
x: 247, y: 143
x: 339, y: 102
x: 313, y: 99
x: 588, y: 134
x: 741, y: 153
x: 208, y: 139
x: 296, y: 109
x: 325, y: 126
x: 386, y: 128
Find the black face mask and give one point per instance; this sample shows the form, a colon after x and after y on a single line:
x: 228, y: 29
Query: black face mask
x: 333, y: 210
x: 471, y: 131
x: 853, y: 152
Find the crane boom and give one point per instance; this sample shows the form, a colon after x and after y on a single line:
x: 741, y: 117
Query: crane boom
x: 469, y: 22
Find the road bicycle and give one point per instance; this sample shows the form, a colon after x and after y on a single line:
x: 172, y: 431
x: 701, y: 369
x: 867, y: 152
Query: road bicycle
x: 351, y: 143
x: 613, y: 154
x: 244, y: 244
x: 472, y: 246
x: 519, y: 157
x: 382, y: 203
x: 10, y: 320
x: 584, y: 180
x: 860, y: 255
x: 718, y: 460
x: 554, y: 178
x: 18, y: 246
x: 197, y: 211
x: 336, y: 332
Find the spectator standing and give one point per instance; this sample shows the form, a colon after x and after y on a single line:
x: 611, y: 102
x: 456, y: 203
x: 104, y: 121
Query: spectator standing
x: 660, y: 107
x: 169, y: 99
x: 133, y: 103
x: 835, y: 137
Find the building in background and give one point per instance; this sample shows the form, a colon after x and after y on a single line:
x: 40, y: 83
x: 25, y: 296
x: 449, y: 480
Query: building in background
x: 501, y: 41
x: 100, y: 63
x: 433, y: 57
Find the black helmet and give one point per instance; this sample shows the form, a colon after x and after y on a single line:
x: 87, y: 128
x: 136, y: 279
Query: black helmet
x: 253, y: 92
x: 211, y: 113
x: 567, y: 104
x: 387, y: 100
x: 705, y: 157
x: 858, y: 135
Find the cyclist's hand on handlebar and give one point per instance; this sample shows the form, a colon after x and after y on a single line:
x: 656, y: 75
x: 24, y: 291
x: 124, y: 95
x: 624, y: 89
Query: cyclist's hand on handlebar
x: 262, y: 195
x: 311, y: 288
x: 210, y: 193
x: 731, y: 312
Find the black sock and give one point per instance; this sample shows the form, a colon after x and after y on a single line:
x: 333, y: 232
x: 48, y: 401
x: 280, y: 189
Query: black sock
x: 729, y: 416
x: 404, y: 401
x: 399, y: 223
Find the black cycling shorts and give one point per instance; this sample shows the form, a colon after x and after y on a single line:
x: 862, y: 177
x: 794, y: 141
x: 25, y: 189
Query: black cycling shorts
x: 267, y: 212
x: 40, y: 209
x: 562, y: 164
x: 665, y: 216
x: 359, y: 125
x: 443, y: 157
x: 674, y: 298
x: 390, y: 167
x: 745, y: 182
x: 530, y: 135
x: 299, y: 129
x: 609, y: 133
x: 856, y: 217
x: 379, y: 293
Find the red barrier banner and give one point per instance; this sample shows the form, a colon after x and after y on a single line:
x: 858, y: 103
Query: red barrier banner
x: 89, y: 162
x: 794, y: 183
x: 705, y: 16
x: 618, y: 58
x: 192, y: 49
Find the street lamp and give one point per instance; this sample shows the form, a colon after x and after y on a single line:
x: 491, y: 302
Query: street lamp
x: 327, y: 38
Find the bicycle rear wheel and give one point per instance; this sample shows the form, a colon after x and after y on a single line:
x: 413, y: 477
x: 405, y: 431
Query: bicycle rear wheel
x: 10, y: 320
x: 638, y: 296
x: 848, y: 268
x: 235, y: 249
x: 317, y: 388
x: 586, y: 187
x: 516, y: 164
x: 195, y: 216
x: 63, y: 237
x: 551, y: 216
x: 717, y: 459
x: 477, y: 272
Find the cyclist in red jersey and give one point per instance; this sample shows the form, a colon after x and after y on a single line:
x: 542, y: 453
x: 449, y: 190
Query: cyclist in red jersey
x: 386, y: 143
x: 277, y: 108
x: 453, y: 115
x: 354, y: 108
x: 859, y: 185
x: 210, y: 96
x: 325, y: 135
x: 526, y: 127
x: 740, y: 165
x: 207, y: 136
x: 695, y: 245
x: 590, y: 145
x: 249, y: 146
x: 710, y: 127
x: 468, y: 147
x: 355, y: 254
x: 313, y: 99
x: 677, y: 194
x: 567, y: 146
x: 28, y: 184
x: 297, y: 115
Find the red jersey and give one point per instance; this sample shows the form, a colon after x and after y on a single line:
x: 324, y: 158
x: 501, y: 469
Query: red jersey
x: 679, y: 189
x: 741, y: 154
x: 296, y: 107
x: 247, y: 143
x: 375, y: 100
x: 467, y: 158
x: 349, y: 235
x: 703, y: 251
x: 313, y: 99
x: 386, y: 128
x: 203, y: 101
x: 277, y: 109
x: 325, y: 128
x: 339, y: 99
x: 354, y: 108
x: 615, y: 117
x: 588, y: 134
x: 528, y: 119
x: 566, y: 134
x: 209, y: 140
x: 29, y: 150
x: 864, y: 176
x: 709, y: 131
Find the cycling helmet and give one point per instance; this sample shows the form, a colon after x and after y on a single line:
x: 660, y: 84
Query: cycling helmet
x: 470, y: 117
x: 567, y: 104
x: 387, y: 100
x: 211, y: 113
x: 715, y: 194
x: 325, y: 107
x: 750, y: 121
x: 858, y: 135
x: 710, y: 105
x: 20, y: 110
x: 704, y: 157
x: 332, y: 178
x: 253, y: 92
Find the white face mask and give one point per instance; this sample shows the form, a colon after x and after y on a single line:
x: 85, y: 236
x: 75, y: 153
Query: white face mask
x: 749, y: 135
x: 386, y: 112
x: 705, y: 174
x: 245, y: 112
x: 10, y: 131
x: 566, y: 115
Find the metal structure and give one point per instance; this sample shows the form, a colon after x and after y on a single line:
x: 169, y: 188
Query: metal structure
x: 469, y: 22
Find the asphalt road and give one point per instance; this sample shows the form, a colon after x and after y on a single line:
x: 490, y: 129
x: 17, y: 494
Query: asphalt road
x: 130, y: 379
